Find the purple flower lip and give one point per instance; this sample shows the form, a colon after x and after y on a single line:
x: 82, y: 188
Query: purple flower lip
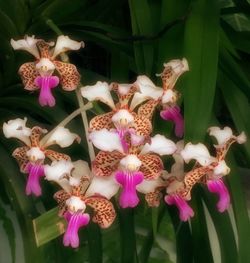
x: 218, y: 187
x: 75, y: 222
x: 46, y: 83
x: 185, y: 211
x: 128, y: 181
x: 35, y: 171
x: 174, y: 114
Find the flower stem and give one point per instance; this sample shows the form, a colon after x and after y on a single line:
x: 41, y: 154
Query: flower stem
x: 66, y: 121
x: 128, y: 238
x: 65, y: 58
x: 85, y: 124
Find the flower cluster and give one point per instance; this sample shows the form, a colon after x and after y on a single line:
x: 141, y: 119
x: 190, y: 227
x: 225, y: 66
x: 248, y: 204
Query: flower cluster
x: 129, y: 157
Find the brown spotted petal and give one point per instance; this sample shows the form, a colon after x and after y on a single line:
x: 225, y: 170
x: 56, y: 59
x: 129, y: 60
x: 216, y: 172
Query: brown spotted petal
x: 69, y: 76
x: 36, y: 133
x: 193, y: 177
x: 44, y: 48
x: 20, y: 155
x: 151, y: 166
x: 106, y: 163
x: 153, y: 198
x: 147, y: 109
x: 124, y: 92
x: 28, y: 75
x: 104, y: 212
x: 61, y: 196
x: 101, y: 122
x: 56, y: 156
x: 142, y: 125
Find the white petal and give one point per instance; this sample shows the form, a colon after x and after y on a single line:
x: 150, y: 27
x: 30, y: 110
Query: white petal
x: 99, y: 91
x: 64, y: 43
x: 221, y: 135
x: 35, y: 154
x: 148, y: 186
x: 81, y: 170
x: 169, y: 96
x: 179, y: 66
x: 147, y: 90
x: 123, y: 89
x: 199, y: 152
x: 122, y: 119
x: 106, y: 140
x: 131, y: 163
x: 242, y: 138
x: 28, y: 44
x: 17, y: 129
x: 74, y: 204
x: 57, y: 171
x: 63, y: 137
x: 221, y: 169
x: 160, y: 145
x: 105, y: 186
x: 45, y: 66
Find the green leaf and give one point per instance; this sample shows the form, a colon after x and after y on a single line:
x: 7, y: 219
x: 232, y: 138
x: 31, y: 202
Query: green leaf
x: 48, y: 226
x: 201, y: 51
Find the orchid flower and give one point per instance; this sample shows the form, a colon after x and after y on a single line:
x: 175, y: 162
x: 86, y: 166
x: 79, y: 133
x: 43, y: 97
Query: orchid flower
x: 73, y: 199
x: 121, y: 117
x: 166, y: 96
x: 31, y: 157
x: 208, y: 170
x: 130, y: 168
x: 41, y: 73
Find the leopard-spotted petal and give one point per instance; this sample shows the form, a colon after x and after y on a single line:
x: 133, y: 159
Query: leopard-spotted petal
x: 20, y: 155
x: 106, y: 163
x: 28, y: 74
x: 68, y: 75
x: 151, y: 166
x: 35, y: 136
x: 103, y: 121
x: 104, y: 212
x: 56, y: 156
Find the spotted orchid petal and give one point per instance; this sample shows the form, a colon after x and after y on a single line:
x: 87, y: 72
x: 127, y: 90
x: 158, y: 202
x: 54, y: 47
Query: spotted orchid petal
x: 172, y: 71
x: 17, y: 129
x: 104, y: 212
x: 35, y: 171
x: 160, y: 145
x: 58, y: 172
x: 106, y: 140
x: 173, y: 114
x: 185, y: 211
x: 99, y: 91
x: 199, y: 152
x: 63, y: 137
x: 104, y: 186
x: 64, y: 43
x: 218, y: 187
x: 75, y: 222
x: 28, y: 44
x: 147, y: 90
